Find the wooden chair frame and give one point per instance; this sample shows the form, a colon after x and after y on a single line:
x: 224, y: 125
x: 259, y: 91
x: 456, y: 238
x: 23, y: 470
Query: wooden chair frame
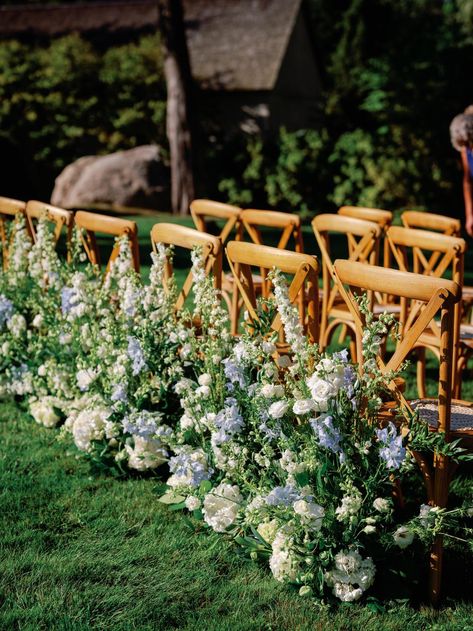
x: 90, y: 223
x: 363, y: 246
x: 383, y: 218
x: 9, y: 209
x: 431, y: 221
x: 436, y: 295
x: 303, y: 267
x: 444, y: 254
x: 202, y: 209
x: 188, y: 238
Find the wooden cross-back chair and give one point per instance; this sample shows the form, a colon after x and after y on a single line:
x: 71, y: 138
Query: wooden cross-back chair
x: 448, y: 226
x: 61, y: 218
x: 454, y: 419
x: 255, y: 225
x: 188, y: 238
x: 91, y: 224
x: 383, y: 218
x: 303, y: 268
x: 438, y: 256
x: 9, y: 209
x: 362, y: 239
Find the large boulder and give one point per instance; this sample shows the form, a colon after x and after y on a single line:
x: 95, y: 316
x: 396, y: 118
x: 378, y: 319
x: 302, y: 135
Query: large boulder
x: 137, y: 177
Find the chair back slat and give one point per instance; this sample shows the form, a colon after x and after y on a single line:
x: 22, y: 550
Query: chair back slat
x: 9, y: 209
x: 204, y: 209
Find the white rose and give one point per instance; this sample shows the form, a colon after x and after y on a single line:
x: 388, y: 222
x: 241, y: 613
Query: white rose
x: 221, y: 506
x: 403, y: 537
x: 205, y: 379
x: 303, y: 406
x: 278, y: 409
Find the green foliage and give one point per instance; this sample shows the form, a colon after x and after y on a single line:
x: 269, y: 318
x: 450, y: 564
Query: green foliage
x: 67, y: 99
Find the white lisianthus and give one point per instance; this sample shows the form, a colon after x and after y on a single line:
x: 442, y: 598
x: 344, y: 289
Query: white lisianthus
x: 192, y: 502
x: 268, y: 530
x: 146, y: 453
x: 221, y: 506
x: 278, y: 409
x: 205, y: 379
x: 403, y: 537
x: 44, y: 413
x: 270, y: 391
x: 303, y: 406
x: 381, y: 504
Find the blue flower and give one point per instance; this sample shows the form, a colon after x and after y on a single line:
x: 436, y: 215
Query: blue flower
x: 327, y: 435
x: 6, y: 310
x: 391, y: 451
x: 68, y: 299
x: 135, y: 353
x: 282, y: 495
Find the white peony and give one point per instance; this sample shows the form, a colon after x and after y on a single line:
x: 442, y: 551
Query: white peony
x: 221, y: 506
x: 147, y: 453
x: 403, y: 537
x: 43, y: 411
x: 278, y: 409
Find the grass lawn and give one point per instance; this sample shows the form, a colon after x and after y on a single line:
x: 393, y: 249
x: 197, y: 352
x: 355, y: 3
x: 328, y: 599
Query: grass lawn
x: 79, y: 551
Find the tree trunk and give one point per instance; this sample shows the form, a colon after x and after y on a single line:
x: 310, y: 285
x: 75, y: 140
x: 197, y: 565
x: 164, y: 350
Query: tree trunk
x: 178, y: 113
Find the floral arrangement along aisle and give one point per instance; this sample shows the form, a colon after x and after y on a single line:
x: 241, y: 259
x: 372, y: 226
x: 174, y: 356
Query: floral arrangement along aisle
x: 278, y: 447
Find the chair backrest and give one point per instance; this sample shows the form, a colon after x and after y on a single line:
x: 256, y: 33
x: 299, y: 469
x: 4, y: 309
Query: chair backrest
x: 435, y: 294
x: 204, y: 209
x: 303, y: 289
x: 383, y: 218
x: 431, y: 221
x: 430, y: 254
x: 188, y: 238
x: 61, y: 218
x: 89, y: 224
x: 9, y: 209
x: 287, y: 224
x: 362, y: 243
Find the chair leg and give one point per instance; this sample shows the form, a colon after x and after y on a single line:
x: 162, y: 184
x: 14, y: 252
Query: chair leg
x: 421, y: 373
x: 435, y: 578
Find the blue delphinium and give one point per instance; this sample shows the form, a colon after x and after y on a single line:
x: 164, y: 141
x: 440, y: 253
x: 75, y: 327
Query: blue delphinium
x: 392, y: 451
x: 135, y: 353
x: 6, y: 310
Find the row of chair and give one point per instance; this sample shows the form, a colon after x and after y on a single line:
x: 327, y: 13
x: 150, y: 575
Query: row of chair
x: 402, y: 269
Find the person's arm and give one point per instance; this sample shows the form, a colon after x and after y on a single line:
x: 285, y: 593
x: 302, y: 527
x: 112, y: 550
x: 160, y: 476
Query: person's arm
x: 467, y: 193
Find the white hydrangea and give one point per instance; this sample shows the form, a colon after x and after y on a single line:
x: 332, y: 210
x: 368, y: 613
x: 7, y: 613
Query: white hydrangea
x: 268, y: 530
x: 44, y: 413
x: 89, y: 425
x: 192, y: 502
x: 221, y: 506
x: 351, y: 576
x: 146, y: 453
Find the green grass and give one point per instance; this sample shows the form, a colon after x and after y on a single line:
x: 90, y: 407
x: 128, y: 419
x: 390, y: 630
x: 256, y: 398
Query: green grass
x: 84, y: 552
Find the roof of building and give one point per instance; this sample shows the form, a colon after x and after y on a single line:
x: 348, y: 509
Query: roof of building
x: 233, y: 44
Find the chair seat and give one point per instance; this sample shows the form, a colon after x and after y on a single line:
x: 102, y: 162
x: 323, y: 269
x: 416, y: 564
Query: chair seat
x: 461, y: 420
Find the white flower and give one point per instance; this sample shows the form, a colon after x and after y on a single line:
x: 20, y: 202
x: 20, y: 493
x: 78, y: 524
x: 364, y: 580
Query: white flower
x: 382, y: 505
x: 16, y: 324
x: 37, y: 321
x: 270, y: 391
x: 303, y: 406
x: 192, y: 502
x: 278, y: 409
x: 284, y: 361
x: 349, y: 507
x: 403, y: 537
x: 283, y: 562
x: 205, y: 379
x: 43, y: 412
x: 427, y: 515
x: 351, y: 576
x: 268, y: 530
x: 311, y: 514
x: 85, y: 377
x: 203, y: 391
x: 221, y: 506
x: 369, y: 529
x: 289, y: 463
x: 89, y: 425
x: 268, y: 348
x: 147, y: 453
